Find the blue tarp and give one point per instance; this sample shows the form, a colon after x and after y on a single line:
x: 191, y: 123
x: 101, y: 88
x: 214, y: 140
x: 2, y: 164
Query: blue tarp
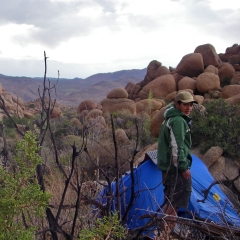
x: 149, y: 197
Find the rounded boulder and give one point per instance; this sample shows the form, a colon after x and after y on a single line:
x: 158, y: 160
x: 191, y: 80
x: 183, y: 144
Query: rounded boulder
x: 230, y: 91
x: 160, y: 87
x: 191, y: 65
x: 209, y: 54
x: 86, y: 105
x: 207, y: 81
x: 118, y: 93
x: 156, y: 122
x: 187, y: 83
x: 211, y: 69
x: 148, y: 105
x: 118, y: 105
x: 161, y: 70
x: 226, y: 72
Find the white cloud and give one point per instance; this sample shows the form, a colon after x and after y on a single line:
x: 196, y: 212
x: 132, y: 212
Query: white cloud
x: 82, y: 38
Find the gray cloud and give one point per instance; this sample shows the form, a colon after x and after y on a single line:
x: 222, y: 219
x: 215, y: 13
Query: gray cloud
x: 224, y: 23
x: 55, y: 22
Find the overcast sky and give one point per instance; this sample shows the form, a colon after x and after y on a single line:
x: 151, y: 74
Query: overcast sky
x: 85, y: 37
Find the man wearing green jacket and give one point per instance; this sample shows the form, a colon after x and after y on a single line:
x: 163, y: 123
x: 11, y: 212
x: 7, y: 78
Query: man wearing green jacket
x: 174, y: 158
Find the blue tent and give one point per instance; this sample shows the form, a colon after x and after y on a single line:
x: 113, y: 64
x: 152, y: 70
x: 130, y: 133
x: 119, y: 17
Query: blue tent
x: 148, y: 195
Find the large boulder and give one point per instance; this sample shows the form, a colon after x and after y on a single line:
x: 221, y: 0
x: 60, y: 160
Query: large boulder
x: 209, y: 54
x: 207, y: 81
x: 211, y: 69
x: 191, y: 65
x: 231, y: 171
x: 130, y: 88
x: 55, y: 113
x: 148, y: 105
x: 161, y: 70
x: 152, y: 68
x: 86, y: 105
x: 121, y: 137
x: 170, y: 97
x: 159, y: 87
x: 212, y: 155
x: 177, y: 77
x: 234, y: 100
x: 199, y: 99
x: 118, y: 105
x: 76, y: 123
x: 226, y: 72
x: 217, y: 168
x: 94, y: 113
x: 187, y: 83
x: 230, y: 91
x: 235, y: 80
x: 118, y: 93
x: 156, y: 122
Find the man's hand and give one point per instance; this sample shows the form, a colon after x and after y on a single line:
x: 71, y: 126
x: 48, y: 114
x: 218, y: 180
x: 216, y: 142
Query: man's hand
x: 186, y: 174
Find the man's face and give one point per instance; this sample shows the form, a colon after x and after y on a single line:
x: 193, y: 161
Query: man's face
x: 185, y: 108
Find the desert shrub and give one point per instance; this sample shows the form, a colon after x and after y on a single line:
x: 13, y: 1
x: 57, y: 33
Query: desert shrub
x: 10, y: 130
x: 105, y: 228
x: 21, y: 198
x: 219, y: 126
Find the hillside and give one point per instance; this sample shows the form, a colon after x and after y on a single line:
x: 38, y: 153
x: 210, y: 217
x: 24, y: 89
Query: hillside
x: 72, y: 91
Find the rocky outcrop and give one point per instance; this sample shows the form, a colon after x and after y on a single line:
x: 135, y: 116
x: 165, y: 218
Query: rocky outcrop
x: 230, y: 51
x: 12, y: 107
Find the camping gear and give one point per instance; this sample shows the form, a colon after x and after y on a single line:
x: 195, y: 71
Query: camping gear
x: 149, y: 197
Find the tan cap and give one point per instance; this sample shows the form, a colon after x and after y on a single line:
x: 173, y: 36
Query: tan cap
x: 184, y: 97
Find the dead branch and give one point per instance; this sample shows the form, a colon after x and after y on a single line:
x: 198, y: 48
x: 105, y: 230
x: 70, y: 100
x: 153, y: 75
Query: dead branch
x: 226, y: 182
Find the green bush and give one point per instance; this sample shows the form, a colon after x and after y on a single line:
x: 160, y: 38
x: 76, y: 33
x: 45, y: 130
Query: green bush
x: 106, y: 228
x: 218, y: 125
x: 21, y: 198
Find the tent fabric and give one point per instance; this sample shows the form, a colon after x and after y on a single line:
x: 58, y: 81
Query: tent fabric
x: 149, y: 196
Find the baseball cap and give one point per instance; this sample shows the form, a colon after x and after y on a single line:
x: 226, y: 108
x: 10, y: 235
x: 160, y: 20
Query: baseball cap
x: 185, y: 97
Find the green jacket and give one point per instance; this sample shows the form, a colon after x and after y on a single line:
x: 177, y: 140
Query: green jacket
x: 174, y: 142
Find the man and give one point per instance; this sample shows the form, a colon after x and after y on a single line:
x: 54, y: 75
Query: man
x: 174, y: 158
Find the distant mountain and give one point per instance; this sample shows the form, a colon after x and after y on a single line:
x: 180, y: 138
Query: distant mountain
x: 73, y: 91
